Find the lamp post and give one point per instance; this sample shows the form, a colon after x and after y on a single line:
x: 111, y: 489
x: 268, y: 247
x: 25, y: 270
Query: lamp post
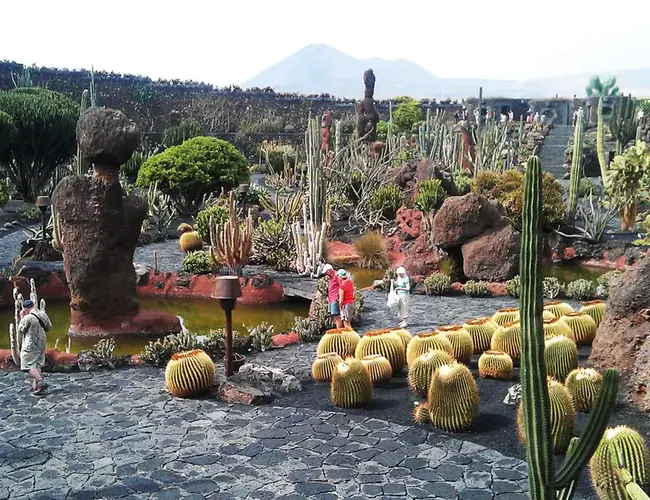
x: 227, y: 289
x: 43, y: 202
x: 243, y: 191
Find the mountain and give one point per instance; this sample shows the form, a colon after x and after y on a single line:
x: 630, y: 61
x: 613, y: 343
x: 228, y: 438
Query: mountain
x: 319, y: 69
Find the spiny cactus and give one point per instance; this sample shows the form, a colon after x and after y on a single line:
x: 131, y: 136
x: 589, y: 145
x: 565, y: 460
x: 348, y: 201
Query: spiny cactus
x: 189, y: 373
x: 453, y: 398
x: 423, y: 367
x: 595, y: 309
x: 342, y: 341
x: 561, y: 356
x: 427, y: 341
x: 620, y: 447
x: 378, y: 367
x: 558, y: 308
x: 232, y: 242
x: 583, y: 327
x: 190, y: 241
x: 404, y: 335
x: 506, y: 315
x: 584, y: 385
x: 576, y: 167
x: 555, y: 327
x: 324, y: 365
x: 507, y: 338
x: 351, y: 384
x: 385, y: 343
x: 461, y: 342
x: 495, y: 364
x: 600, y: 145
x: 421, y: 413
x: 481, y: 331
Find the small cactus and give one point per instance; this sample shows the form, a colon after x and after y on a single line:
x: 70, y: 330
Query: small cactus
x: 324, y: 365
x: 189, y: 373
x: 385, y: 343
x: 427, y: 341
x: 421, y: 413
x: 495, y: 364
x: 481, y: 331
x: 507, y: 338
x: 190, y: 241
x: 583, y: 327
x: 584, y: 385
x: 453, y: 398
x: 342, y: 341
x: 558, y: 308
x: 506, y: 315
x: 595, y: 309
x: 461, y: 342
x: 378, y: 367
x: 561, y: 356
x: 423, y: 367
x: 556, y: 327
x: 351, y: 384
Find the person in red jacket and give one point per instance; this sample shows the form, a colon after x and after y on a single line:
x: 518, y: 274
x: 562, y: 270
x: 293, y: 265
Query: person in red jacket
x: 346, y: 298
x: 333, y: 294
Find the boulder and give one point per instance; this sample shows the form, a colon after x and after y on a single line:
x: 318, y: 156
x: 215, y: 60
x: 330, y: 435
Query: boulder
x: 268, y: 377
x: 422, y: 258
x: 623, y: 337
x: 285, y: 339
x: 493, y: 256
x: 462, y: 218
x: 106, y: 136
x: 243, y: 394
x: 408, y: 221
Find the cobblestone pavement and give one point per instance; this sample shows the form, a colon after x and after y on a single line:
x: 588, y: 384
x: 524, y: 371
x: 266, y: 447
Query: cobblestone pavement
x: 115, y: 434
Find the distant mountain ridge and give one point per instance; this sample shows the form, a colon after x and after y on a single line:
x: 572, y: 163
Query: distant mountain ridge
x: 320, y: 68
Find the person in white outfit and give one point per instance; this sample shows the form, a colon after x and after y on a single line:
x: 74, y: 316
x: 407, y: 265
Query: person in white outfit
x: 402, y: 286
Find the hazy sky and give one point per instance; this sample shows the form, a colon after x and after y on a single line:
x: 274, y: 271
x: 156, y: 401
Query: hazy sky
x: 228, y: 41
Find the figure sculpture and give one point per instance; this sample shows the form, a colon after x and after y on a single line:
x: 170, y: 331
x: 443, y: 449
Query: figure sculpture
x: 326, y: 132
x: 97, y: 228
x: 367, y: 115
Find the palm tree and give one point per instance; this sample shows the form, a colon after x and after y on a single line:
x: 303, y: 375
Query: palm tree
x: 598, y: 88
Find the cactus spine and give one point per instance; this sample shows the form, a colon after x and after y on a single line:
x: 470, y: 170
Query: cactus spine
x: 453, y: 398
x: 378, y: 367
x: 584, y: 386
x: 351, y: 384
x: 561, y: 356
x: 583, y: 327
x: 481, y: 331
x: 623, y: 123
x: 576, y: 168
x: 324, y: 365
x: 495, y: 364
x: 506, y: 315
x: 556, y: 327
x: 404, y: 335
x: 536, y: 413
x: 507, y: 338
x: 424, y: 342
x: 342, y: 341
x: 558, y: 308
x: 423, y: 368
x: 461, y: 342
x: 421, y: 413
x: 189, y: 373
x: 595, y: 309
x: 386, y: 344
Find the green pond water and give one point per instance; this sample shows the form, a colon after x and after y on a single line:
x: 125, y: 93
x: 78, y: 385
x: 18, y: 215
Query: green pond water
x: 199, y: 316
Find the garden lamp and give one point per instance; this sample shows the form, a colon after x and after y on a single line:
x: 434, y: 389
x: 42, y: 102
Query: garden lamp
x: 43, y: 202
x: 227, y: 289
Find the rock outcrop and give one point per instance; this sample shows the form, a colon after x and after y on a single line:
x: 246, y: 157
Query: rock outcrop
x: 493, y: 256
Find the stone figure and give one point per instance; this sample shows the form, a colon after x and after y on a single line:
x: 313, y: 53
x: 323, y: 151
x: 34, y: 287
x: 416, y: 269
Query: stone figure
x: 367, y: 115
x: 97, y: 228
x: 326, y: 132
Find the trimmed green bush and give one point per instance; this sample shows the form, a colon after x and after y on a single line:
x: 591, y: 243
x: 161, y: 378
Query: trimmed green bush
x: 430, y: 195
x: 199, y: 262
x: 194, y: 169
x: 406, y: 114
x: 219, y: 213
x: 387, y: 200
x: 437, y: 284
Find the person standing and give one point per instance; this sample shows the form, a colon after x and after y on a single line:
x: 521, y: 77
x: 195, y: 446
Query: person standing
x: 32, y: 327
x: 402, y: 286
x: 333, y: 294
x: 346, y: 298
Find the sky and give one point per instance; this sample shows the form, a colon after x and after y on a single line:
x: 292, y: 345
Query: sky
x: 226, y: 42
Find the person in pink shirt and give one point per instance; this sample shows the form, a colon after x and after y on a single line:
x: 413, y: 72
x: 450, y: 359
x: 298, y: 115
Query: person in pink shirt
x: 333, y: 287
x: 346, y: 298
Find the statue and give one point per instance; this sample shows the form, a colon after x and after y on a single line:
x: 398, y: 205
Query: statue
x: 326, y: 132
x: 97, y: 228
x: 367, y: 116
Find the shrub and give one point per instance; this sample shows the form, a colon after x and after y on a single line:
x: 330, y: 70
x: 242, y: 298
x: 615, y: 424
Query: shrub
x: 158, y: 353
x: 476, y: 289
x: 272, y: 242
x: 430, y: 195
x: 387, y: 200
x: 215, y: 342
x: 437, y: 284
x: 463, y: 182
x: 8, y: 132
x: 261, y: 336
x: 194, y: 169
x: 199, y: 262
x: 308, y: 329
x: 178, y: 134
x: 485, y: 182
x: 407, y: 114
x: 382, y: 130
x: 4, y: 194
x: 43, y: 132
x: 217, y: 212
x: 607, y: 280
x: 278, y: 159
x: 132, y: 166
x: 552, y: 287
x: 581, y: 289
x: 254, y: 194
x: 513, y: 286
x: 372, y: 251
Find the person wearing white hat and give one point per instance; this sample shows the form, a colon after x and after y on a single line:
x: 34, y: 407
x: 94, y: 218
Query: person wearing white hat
x: 333, y: 286
x: 402, y: 285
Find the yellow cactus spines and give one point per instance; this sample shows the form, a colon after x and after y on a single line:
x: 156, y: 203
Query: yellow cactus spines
x: 481, y: 331
x: 583, y: 327
x: 453, y: 398
x: 555, y: 327
x: 351, y: 385
x: 342, y: 341
x: 189, y: 373
x: 423, y: 367
x: 507, y: 338
x: 506, y: 315
x: 427, y: 341
x: 584, y: 385
x: 324, y: 365
x: 461, y: 341
x: 595, y: 309
x: 558, y: 308
x: 404, y: 335
x: 386, y: 344
x: 495, y: 364
x: 561, y: 356
x: 620, y: 446
x: 378, y: 367
x: 421, y: 413
x: 190, y: 241
x: 563, y: 416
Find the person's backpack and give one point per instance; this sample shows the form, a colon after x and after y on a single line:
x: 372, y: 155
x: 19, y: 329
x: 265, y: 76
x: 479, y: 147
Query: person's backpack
x: 40, y: 322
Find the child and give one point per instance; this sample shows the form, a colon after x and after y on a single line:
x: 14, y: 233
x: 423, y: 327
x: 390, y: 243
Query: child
x: 402, y: 286
x: 346, y: 298
x: 32, y: 327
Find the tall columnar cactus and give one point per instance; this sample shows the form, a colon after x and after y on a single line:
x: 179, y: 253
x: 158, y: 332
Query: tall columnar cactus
x: 15, y: 339
x: 315, y: 159
x: 80, y: 164
x: 232, y: 241
x: 535, y: 398
x: 310, y: 243
x: 624, y: 122
x: 600, y: 144
x: 576, y: 168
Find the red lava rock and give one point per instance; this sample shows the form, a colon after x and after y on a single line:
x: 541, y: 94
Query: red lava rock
x: 285, y: 339
x: 421, y: 258
x: 457, y: 287
x: 136, y: 360
x: 56, y: 358
x: 497, y: 289
x: 144, y: 323
x: 462, y: 218
x: 242, y: 394
x: 340, y: 253
x: 493, y: 256
x: 408, y: 221
x: 6, y: 361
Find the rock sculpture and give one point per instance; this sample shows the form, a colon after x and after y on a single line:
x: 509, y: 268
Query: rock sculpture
x: 97, y: 228
x: 367, y: 115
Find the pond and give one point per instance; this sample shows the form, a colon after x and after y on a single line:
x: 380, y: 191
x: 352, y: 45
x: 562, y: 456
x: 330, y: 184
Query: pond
x: 199, y: 316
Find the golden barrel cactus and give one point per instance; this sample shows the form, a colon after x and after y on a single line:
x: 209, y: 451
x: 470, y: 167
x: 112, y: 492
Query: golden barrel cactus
x: 495, y: 364
x: 423, y: 367
x: 324, y: 365
x: 622, y: 446
x: 584, y: 386
x: 595, y: 309
x: 555, y: 327
x: 561, y: 356
x: 453, y: 398
x: 425, y: 342
x: 189, y: 373
x: 378, y: 367
x: 386, y: 344
x: 506, y: 315
x: 189, y: 241
x: 421, y: 413
x: 351, y: 385
x: 558, y: 308
x: 404, y: 335
x: 481, y: 331
x: 507, y: 338
x: 342, y: 341
x: 563, y: 416
x: 461, y: 342
x: 583, y: 327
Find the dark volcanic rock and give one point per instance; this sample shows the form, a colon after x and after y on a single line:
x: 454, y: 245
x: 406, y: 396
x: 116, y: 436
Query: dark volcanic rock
x: 106, y: 136
x: 462, y: 218
x: 493, y: 256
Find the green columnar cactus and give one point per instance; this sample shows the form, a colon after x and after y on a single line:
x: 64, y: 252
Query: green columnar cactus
x: 600, y: 144
x: 576, y: 168
x: 623, y: 123
x: 536, y: 414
